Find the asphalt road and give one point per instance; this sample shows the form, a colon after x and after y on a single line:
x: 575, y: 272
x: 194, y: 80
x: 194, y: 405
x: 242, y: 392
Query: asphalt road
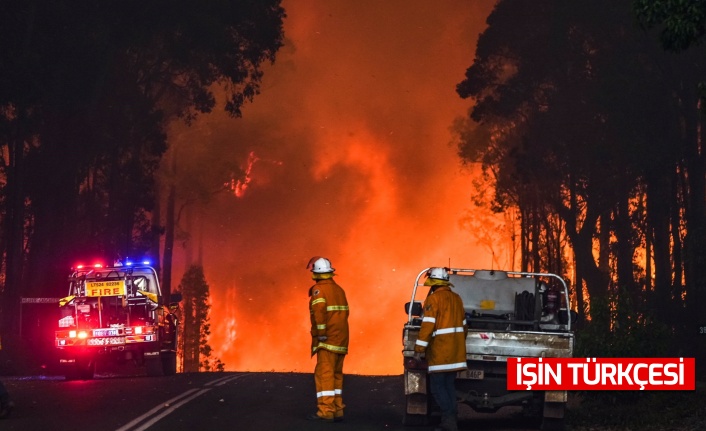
x: 215, y: 401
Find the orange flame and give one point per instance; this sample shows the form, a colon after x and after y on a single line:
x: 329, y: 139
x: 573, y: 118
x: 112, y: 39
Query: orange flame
x: 369, y: 182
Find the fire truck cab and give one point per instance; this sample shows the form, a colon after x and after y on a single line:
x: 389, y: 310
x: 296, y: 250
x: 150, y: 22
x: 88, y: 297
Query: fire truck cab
x: 116, y: 314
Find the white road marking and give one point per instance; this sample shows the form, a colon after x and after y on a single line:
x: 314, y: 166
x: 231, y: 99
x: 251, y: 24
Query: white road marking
x: 169, y: 406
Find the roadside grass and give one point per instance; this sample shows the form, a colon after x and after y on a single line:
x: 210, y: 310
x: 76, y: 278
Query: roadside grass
x: 644, y: 411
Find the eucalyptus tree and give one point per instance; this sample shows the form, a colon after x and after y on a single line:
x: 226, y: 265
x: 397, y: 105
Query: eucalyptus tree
x: 86, y: 89
x: 681, y: 28
x: 196, y: 352
x: 583, y: 110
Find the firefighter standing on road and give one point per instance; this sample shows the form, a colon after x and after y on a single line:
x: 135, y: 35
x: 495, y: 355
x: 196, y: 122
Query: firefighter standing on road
x: 328, y: 308
x: 442, y: 338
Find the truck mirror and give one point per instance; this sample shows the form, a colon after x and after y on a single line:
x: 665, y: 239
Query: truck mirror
x: 416, y: 308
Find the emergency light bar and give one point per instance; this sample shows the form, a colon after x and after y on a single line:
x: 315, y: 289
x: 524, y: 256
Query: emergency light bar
x: 129, y: 262
x: 95, y: 265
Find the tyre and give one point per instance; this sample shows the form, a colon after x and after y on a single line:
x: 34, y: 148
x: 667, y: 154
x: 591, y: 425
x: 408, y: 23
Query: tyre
x: 553, y: 417
x: 154, y: 366
x: 71, y: 372
x: 169, y: 363
x: 553, y: 424
x: 416, y: 403
x: 87, y: 370
x: 414, y: 420
x: 80, y: 370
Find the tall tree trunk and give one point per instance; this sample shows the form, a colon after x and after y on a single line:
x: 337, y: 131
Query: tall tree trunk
x: 604, y: 223
x: 658, y: 209
x: 695, y: 217
x: 170, y: 220
x: 678, y: 191
x: 188, y: 243
x: 524, y: 239
x: 536, y: 240
x: 14, y: 237
x: 169, y: 242
x: 156, y: 231
x: 581, y: 239
x: 624, y: 244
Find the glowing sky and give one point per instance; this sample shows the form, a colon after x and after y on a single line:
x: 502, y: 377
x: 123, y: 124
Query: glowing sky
x: 355, y: 163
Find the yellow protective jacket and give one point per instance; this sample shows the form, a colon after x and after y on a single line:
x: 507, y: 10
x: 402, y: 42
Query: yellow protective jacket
x: 328, y: 308
x: 443, y: 332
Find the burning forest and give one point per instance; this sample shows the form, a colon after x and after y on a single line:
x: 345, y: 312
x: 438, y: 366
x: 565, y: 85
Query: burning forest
x: 347, y: 153
x: 386, y: 136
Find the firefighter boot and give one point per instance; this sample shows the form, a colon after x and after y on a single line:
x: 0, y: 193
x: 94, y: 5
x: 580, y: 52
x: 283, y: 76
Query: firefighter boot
x: 448, y: 423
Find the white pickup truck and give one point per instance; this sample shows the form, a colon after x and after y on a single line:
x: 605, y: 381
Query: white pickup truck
x: 509, y: 315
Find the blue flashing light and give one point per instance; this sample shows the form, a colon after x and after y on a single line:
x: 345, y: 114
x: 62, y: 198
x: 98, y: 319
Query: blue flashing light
x: 129, y: 262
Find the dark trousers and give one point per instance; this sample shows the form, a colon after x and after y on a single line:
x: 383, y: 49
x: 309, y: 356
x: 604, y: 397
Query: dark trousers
x: 444, y: 391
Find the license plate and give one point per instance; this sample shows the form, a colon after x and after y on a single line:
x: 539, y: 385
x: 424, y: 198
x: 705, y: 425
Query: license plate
x: 471, y: 374
x: 105, y: 332
x: 106, y: 341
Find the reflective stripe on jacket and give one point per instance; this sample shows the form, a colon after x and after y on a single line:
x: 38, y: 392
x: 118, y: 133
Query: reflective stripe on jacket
x: 329, y: 311
x: 443, y: 332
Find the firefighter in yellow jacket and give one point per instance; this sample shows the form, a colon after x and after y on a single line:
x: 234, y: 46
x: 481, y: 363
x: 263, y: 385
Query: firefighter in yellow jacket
x: 328, y: 309
x: 442, y: 338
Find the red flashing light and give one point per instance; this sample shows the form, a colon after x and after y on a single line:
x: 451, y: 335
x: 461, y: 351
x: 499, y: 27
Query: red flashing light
x: 95, y: 265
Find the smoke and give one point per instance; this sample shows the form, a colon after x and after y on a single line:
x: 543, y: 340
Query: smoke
x: 352, y: 160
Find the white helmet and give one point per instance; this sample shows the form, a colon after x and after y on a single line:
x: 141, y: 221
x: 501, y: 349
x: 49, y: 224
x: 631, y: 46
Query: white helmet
x: 439, y: 273
x: 322, y: 266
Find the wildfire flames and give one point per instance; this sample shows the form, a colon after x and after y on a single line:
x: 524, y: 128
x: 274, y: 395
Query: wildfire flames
x: 358, y: 111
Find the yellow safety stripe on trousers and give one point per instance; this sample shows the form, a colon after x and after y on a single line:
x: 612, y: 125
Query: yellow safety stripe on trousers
x: 331, y: 347
x: 445, y: 367
x: 321, y: 326
x: 335, y: 392
x: 318, y: 301
x: 337, y: 308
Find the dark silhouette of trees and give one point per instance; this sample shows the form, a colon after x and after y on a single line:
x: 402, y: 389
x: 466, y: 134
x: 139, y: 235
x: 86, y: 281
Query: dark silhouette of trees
x: 590, y: 120
x: 86, y: 92
x: 682, y: 25
x: 195, y: 326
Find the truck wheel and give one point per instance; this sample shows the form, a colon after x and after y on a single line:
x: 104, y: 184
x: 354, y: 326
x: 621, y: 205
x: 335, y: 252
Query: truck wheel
x: 154, y: 366
x: 80, y: 370
x: 553, y: 417
x: 553, y: 424
x: 169, y: 363
x: 87, y: 370
x: 414, y: 420
x: 412, y: 402
x: 71, y: 372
